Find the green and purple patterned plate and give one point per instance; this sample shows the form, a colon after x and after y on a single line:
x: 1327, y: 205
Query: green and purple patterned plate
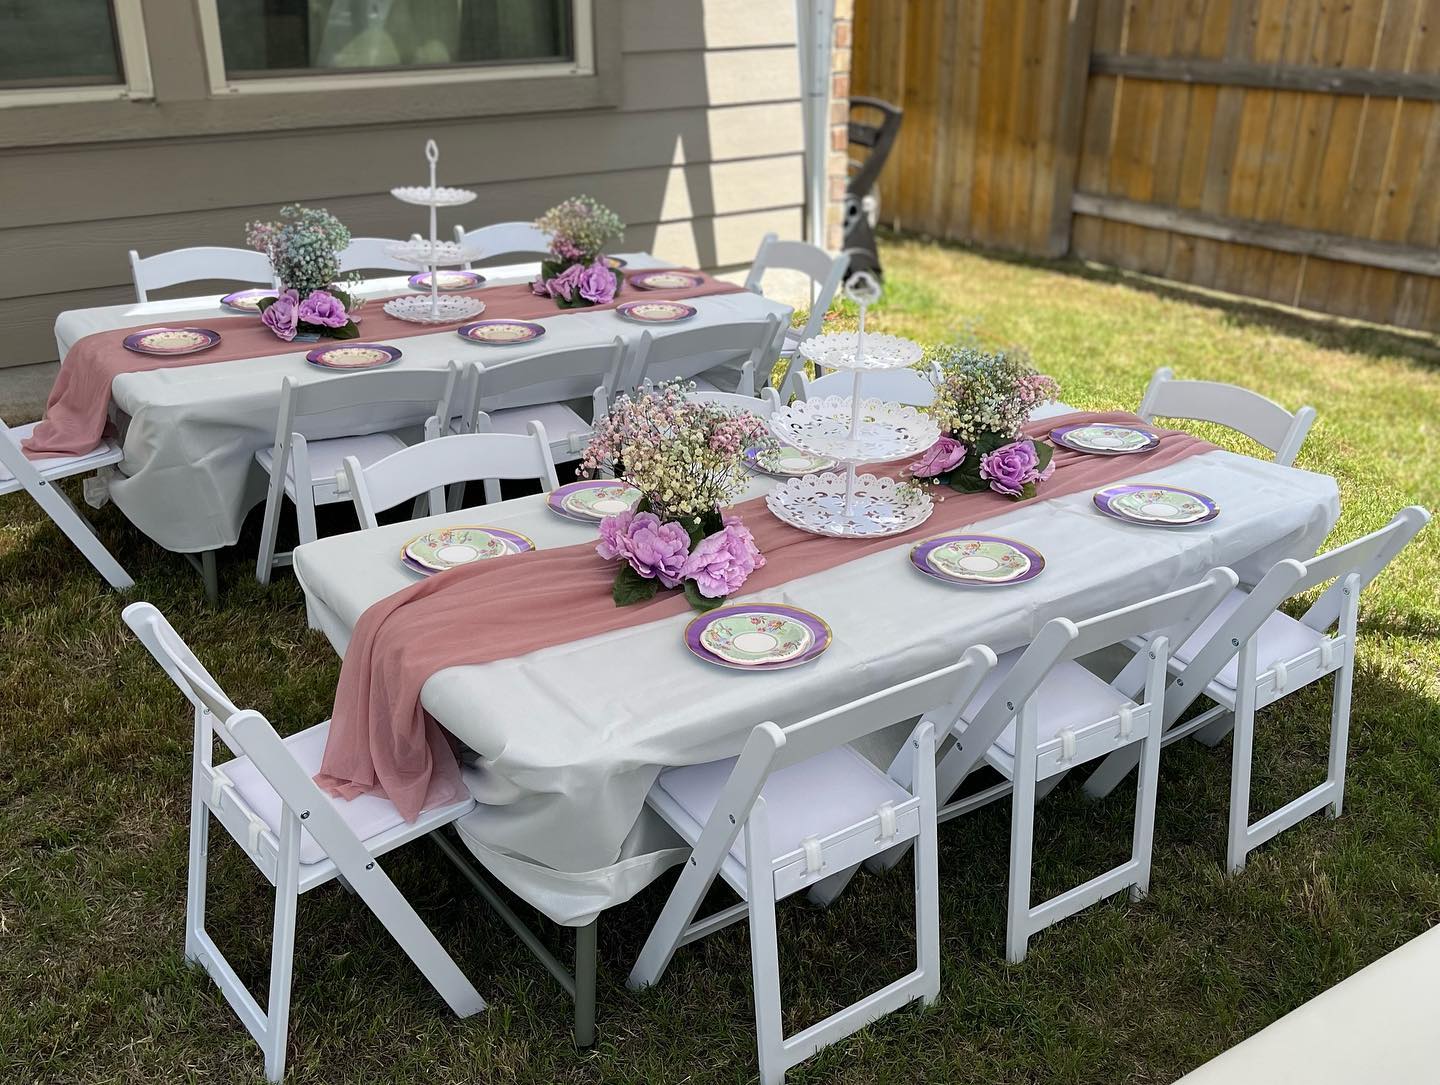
x: 445, y: 548
x: 982, y: 560
x: 592, y: 499
x: 757, y: 636
x: 1156, y: 506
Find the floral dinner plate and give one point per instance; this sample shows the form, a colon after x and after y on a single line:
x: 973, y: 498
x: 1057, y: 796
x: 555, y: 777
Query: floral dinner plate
x: 757, y: 636
x: 1156, y: 506
x: 665, y: 280
x: 445, y: 548
x: 171, y: 340
x: 656, y: 312
x: 447, y: 279
x: 592, y: 499
x: 977, y: 559
x: 785, y: 461
x: 500, y: 333
x: 353, y: 356
x: 1105, y: 440
x: 247, y: 301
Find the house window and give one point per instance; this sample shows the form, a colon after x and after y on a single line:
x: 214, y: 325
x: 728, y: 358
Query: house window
x: 72, y: 50
x: 288, y: 38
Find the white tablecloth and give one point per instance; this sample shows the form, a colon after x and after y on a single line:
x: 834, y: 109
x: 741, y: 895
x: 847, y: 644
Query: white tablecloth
x: 571, y: 737
x: 190, y: 433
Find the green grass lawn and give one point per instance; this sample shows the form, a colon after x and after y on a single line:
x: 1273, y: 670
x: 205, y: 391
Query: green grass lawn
x: 94, y: 778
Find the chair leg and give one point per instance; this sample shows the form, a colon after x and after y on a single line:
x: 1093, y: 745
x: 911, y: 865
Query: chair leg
x: 927, y: 868
x: 1022, y: 842
x: 764, y: 956
x: 196, y: 878
x: 77, y: 529
x: 282, y: 965
x: 305, y: 513
x: 1147, y: 786
x: 270, y: 526
x: 1340, y: 727
x: 1238, y: 845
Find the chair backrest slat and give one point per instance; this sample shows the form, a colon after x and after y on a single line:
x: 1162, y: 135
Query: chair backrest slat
x: 765, y: 405
x: 604, y: 363
x: 687, y: 353
x: 908, y: 386
x: 202, y: 263
x: 372, y: 254
x: 425, y: 391
x: 824, y: 271
x: 1240, y: 409
x: 488, y: 244
x: 178, y: 661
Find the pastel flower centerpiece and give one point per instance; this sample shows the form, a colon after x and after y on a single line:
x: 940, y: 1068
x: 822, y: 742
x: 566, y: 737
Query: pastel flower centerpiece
x: 578, y: 274
x: 304, y: 247
x: 687, y: 460
x: 982, y: 401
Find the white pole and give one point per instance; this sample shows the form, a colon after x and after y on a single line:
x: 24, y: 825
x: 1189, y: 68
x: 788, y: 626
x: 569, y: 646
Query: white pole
x: 815, y: 32
x: 432, y: 154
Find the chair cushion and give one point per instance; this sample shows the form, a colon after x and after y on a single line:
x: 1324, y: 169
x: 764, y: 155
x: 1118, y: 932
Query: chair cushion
x: 829, y: 792
x: 1070, y: 696
x: 560, y: 422
x: 367, y: 815
x: 1280, y: 639
x: 51, y: 467
x: 326, y: 456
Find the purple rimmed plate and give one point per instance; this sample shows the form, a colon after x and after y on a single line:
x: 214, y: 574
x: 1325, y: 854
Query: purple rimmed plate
x: 977, y: 560
x: 591, y: 500
x: 1103, y: 439
x: 500, y: 333
x: 757, y: 636
x: 665, y: 279
x: 451, y: 547
x: 354, y: 356
x: 450, y: 279
x: 655, y: 312
x: 613, y: 262
x: 1153, y: 505
x: 165, y: 341
x: 785, y: 461
x: 247, y: 301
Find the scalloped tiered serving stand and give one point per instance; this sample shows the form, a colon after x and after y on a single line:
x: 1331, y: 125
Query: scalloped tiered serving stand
x: 853, y: 430
x: 433, y: 254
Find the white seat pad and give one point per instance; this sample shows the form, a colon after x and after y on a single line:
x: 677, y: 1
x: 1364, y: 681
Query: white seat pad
x: 51, y: 467
x: 367, y: 815
x: 560, y: 422
x: 1070, y: 696
x: 1280, y: 639
x: 326, y: 456
x: 829, y: 792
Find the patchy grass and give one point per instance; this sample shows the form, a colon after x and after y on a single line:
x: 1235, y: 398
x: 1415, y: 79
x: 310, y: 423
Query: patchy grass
x: 94, y: 761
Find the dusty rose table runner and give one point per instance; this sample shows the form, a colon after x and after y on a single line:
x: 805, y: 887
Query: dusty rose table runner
x: 79, y: 403
x: 380, y: 738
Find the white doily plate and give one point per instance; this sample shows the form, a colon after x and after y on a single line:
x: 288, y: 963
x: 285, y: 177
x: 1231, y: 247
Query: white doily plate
x: 879, y: 506
x: 423, y: 254
x: 425, y: 196
x: 836, y: 350
x: 888, y: 431
x: 449, y: 308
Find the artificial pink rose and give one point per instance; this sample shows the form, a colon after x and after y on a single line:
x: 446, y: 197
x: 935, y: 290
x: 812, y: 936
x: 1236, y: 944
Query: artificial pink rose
x: 1010, y: 468
x: 721, y: 563
x: 597, y: 283
x: 944, y: 455
x: 281, y: 315
x: 323, y: 308
x: 564, y: 285
x: 654, y: 550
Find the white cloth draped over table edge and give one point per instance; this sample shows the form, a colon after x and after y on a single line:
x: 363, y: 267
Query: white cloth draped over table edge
x: 190, y: 433
x: 571, y: 737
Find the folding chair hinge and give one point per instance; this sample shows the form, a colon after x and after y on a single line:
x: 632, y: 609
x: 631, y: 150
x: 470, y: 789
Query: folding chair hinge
x: 814, y: 858
x: 1282, y: 677
x: 1327, y: 653
x: 1127, y: 721
x: 1067, y: 745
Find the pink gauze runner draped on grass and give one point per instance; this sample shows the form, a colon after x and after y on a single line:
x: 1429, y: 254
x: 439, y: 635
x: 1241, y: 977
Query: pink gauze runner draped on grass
x: 79, y: 402
x: 381, y: 739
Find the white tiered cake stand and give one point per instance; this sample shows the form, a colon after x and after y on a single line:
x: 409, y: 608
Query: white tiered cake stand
x: 852, y: 430
x: 432, y: 255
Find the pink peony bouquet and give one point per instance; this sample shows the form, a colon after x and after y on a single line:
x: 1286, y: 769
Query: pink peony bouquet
x: 320, y: 313
x: 578, y: 273
x: 687, y: 460
x: 981, y: 402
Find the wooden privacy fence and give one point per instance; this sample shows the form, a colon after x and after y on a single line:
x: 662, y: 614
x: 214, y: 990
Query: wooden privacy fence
x: 1282, y: 149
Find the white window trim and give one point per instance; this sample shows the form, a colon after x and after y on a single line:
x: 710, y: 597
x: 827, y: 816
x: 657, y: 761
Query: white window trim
x: 582, y: 34
x: 134, y: 63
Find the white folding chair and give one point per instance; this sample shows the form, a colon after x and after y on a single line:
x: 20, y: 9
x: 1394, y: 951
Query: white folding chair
x: 807, y: 803
x: 1263, y: 420
x: 486, y: 390
x: 372, y: 254
x: 297, y: 835
x: 688, y: 353
x: 766, y: 404
x: 203, y: 262
x: 499, y: 240
x: 431, y: 467
x: 824, y: 271
x: 1277, y: 654
x: 1039, y: 714
x: 37, y: 477
x: 303, y: 462
x: 908, y: 386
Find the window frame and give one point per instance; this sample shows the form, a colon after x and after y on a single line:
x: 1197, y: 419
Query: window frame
x: 582, y: 36
x: 133, y: 53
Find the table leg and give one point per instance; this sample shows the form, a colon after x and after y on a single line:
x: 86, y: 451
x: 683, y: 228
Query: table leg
x: 586, y: 940
x: 205, y: 566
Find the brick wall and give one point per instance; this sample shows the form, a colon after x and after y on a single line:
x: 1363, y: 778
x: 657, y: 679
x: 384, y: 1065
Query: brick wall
x: 837, y: 170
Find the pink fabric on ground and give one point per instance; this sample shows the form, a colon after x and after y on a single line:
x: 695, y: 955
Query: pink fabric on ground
x: 381, y: 738
x: 79, y: 402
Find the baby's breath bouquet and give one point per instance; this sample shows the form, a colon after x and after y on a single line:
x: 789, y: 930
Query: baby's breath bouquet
x: 687, y: 460
x: 304, y: 247
x: 578, y: 274
x: 981, y: 402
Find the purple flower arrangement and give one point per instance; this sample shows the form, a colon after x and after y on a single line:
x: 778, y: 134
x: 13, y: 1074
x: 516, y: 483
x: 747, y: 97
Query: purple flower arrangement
x: 304, y: 248
x: 578, y: 274
x: 686, y: 459
x: 320, y: 313
x: 981, y: 402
